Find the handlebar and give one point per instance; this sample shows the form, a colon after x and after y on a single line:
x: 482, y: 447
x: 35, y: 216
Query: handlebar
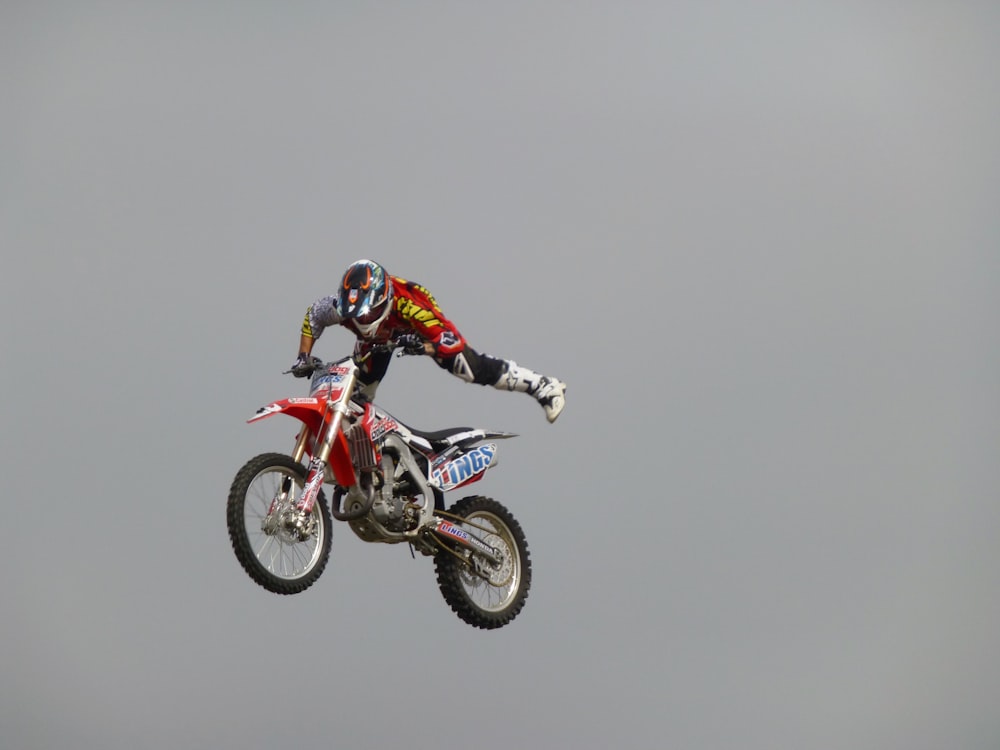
x: 403, y: 346
x: 305, y: 369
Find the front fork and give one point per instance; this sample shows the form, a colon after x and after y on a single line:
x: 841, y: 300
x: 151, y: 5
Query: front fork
x: 321, y: 458
x: 317, y: 467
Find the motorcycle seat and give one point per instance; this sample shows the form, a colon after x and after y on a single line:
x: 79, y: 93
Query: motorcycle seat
x: 439, y: 438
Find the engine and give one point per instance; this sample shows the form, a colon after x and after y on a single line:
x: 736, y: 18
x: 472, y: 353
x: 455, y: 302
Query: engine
x: 395, y: 509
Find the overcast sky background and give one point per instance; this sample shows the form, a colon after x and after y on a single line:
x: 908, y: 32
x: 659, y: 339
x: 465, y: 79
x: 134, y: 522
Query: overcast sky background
x: 760, y: 241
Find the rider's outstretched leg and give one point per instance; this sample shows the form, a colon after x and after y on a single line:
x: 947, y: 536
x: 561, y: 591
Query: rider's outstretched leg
x: 549, y: 392
x: 507, y: 375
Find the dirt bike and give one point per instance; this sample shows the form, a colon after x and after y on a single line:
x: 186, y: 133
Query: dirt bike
x: 388, y: 482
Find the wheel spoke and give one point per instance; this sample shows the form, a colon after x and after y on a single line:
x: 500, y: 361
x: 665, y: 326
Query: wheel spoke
x: 496, y: 590
x: 270, y: 545
x: 484, y: 592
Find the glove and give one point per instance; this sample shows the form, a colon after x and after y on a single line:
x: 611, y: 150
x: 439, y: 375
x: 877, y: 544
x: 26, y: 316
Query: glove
x: 303, y: 366
x: 410, y: 343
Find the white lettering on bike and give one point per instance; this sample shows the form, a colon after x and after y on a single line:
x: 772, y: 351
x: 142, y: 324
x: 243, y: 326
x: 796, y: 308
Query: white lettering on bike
x: 317, y: 472
x: 382, y: 427
x: 452, y: 530
x: 465, y: 467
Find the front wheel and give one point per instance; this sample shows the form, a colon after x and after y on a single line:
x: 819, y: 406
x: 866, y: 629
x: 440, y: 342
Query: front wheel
x: 281, y: 548
x: 483, y: 593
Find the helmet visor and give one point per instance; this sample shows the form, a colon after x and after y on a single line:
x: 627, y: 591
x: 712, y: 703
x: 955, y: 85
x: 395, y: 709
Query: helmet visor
x: 366, y: 314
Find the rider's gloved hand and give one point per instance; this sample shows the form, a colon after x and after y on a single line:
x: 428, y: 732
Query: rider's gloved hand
x: 303, y: 366
x: 410, y: 343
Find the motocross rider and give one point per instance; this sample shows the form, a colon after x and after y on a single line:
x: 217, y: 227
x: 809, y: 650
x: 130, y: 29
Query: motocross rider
x: 380, y: 308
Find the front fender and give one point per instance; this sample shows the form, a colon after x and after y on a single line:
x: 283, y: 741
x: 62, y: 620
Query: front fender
x: 310, y: 411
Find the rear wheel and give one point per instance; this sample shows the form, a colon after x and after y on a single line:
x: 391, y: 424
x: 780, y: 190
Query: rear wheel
x: 483, y: 593
x: 281, y: 548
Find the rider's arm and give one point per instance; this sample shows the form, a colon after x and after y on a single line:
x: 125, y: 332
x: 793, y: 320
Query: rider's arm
x: 420, y: 311
x: 306, y: 344
x: 321, y: 313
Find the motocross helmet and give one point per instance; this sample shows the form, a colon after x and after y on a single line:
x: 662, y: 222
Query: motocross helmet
x: 365, y: 296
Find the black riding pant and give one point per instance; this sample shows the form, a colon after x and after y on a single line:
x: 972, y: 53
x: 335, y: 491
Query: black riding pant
x: 468, y: 364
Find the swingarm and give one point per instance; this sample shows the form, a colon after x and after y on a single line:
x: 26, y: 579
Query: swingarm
x: 447, y: 530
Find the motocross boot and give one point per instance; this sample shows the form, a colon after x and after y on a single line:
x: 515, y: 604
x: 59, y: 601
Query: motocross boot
x: 549, y: 392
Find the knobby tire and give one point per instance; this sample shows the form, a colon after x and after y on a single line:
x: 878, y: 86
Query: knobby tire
x: 237, y: 514
x: 458, y: 583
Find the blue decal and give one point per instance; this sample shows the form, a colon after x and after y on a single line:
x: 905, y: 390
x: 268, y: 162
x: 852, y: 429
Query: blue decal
x: 465, y: 467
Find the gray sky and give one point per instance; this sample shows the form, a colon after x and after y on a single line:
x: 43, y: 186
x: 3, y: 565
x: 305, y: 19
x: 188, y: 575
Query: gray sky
x: 758, y: 240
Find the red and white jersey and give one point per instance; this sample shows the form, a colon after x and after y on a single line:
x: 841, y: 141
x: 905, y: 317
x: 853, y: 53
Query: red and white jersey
x: 414, y: 310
